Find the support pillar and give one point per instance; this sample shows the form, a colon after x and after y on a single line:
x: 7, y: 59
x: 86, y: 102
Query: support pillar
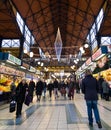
x: 21, y: 48
x: 22, y: 39
x: 98, y: 37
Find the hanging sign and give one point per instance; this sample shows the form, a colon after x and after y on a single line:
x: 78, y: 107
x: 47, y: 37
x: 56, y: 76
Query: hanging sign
x: 12, y: 58
x: 88, y: 62
x: 99, y: 53
x: 32, y: 69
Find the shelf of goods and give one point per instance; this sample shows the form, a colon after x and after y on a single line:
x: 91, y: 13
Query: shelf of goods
x: 6, y: 77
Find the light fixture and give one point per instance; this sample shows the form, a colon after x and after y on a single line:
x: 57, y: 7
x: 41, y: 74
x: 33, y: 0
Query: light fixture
x: 77, y: 59
x: 31, y: 54
x: 25, y: 51
x: 81, y: 48
x: 86, y: 45
x: 82, y: 51
x: 39, y: 63
x: 58, y: 45
x: 42, y: 64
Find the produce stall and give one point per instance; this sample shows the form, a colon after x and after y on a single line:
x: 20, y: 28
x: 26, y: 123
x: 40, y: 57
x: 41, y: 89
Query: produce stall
x: 6, y: 77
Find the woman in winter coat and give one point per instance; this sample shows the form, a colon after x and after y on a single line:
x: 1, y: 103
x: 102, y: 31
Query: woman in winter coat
x: 71, y: 89
x: 31, y: 89
x: 20, y: 96
x: 39, y: 89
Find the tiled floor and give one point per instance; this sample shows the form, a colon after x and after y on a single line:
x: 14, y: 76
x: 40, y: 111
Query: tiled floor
x: 55, y: 115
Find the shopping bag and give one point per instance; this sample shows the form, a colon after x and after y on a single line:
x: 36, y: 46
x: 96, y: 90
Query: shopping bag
x: 27, y: 100
x: 12, y: 106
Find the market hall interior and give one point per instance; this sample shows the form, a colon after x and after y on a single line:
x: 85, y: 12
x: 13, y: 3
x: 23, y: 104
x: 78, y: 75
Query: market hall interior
x: 48, y: 40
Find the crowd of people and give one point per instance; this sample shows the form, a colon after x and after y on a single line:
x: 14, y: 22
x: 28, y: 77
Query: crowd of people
x: 39, y: 88
x: 89, y: 86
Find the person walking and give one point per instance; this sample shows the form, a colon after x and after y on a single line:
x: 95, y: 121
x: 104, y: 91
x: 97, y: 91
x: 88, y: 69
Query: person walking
x: 56, y: 84
x: 31, y: 88
x: 72, y: 85
x: 106, y: 88
x: 39, y: 89
x: 90, y: 89
x: 13, y: 89
x: 100, y: 81
x: 50, y: 88
x: 20, y: 96
x: 44, y: 89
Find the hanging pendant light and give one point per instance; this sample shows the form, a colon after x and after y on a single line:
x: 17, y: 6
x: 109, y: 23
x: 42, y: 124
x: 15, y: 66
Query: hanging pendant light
x: 58, y: 45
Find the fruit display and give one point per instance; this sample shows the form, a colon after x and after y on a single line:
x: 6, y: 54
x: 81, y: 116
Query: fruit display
x: 4, y: 84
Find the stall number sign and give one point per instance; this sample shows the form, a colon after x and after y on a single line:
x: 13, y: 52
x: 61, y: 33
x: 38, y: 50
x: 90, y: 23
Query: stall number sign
x: 96, y: 54
x: 14, y: 59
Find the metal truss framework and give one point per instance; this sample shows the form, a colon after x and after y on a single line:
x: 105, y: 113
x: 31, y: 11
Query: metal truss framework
x: 43, y: 17
x: 74, y: 18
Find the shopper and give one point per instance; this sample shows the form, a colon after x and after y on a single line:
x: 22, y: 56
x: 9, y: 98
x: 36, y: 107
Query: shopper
x: 77, y: 86
x: 56, y: 85
x: 50, y: 89
x: 20, y: 96
x: 13, y: 89
x: 44, y: 89
x: 100, y: 81
x: 39, y: 89
x: 31, y: 88
x: 90, y: 89
x: 72, y: 85
x: 106, y: 88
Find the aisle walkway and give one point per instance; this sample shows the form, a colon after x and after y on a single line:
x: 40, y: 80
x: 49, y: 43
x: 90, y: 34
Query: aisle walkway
x: 55, y: 115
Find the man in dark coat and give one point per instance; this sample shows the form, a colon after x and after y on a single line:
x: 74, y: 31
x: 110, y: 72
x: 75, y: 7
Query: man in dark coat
x: 39, y: 89
x: 56, y: 85
x: 50, y: 88
x: 31, y: 88
x: 20, y: 96
x: 90, y: 89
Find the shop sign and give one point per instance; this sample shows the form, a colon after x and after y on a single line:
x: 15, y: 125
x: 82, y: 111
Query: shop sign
x: 83, y: 66
x: 28, y: 76
x: 12, y: 58
x: 32, y: 69
x: 11, y: 71
x: 109, y: 48
x: 25, y: 65
x: 99, y: 53
x: 88, y: 62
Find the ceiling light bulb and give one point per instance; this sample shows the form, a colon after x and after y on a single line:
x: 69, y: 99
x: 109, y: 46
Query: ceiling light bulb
x: 31, y: 54
x: 39, y: 63
x: 25, y: 51
x: 86, y: 45
x: 83, y: 51
x: 77, y: 60
x: 81, y: 48
x: 42, y: 64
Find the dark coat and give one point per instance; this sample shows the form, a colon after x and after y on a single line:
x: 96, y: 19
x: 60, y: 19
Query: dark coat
x: 31, y: 87
x: 90, y: 88
x: 50, y: 87
x: 39, y: 88
x: 56, y: 84
x: 21, y: 91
